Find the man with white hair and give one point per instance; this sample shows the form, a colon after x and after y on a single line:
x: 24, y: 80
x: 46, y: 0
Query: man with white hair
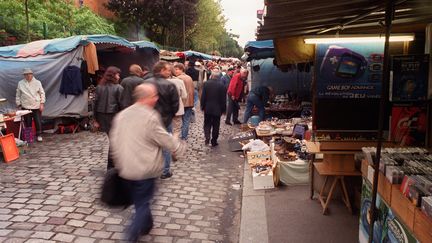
x: 137, y: 137
x: 30, y: 95
x: 213, y: 103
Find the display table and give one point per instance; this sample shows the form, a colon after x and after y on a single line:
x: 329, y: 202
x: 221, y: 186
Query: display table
x: 325, y: 170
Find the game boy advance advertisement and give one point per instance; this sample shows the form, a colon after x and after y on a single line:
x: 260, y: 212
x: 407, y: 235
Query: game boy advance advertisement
x: 349, y: 70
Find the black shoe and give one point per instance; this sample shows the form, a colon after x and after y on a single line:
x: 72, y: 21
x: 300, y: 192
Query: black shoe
x: 166, y: 176
x: 174, y: 158
x: 214, y: 144
x: 147, y: 231
x: 237, y: 122
x: 228, y: 123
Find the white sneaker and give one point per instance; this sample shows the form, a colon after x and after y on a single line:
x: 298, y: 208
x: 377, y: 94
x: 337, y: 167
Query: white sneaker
x: 39, y: 139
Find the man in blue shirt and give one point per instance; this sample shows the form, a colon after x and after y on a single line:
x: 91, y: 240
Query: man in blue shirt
x: 258, y: 97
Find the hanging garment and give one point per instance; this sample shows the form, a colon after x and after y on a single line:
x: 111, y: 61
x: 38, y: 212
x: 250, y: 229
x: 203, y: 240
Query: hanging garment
x: 90, y: 55
x: 71, y: 81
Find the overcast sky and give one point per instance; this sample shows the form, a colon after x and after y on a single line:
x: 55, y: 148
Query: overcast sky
x: 242, y: 20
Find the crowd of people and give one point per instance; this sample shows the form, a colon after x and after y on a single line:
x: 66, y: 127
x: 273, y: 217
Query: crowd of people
x: 147, y: 117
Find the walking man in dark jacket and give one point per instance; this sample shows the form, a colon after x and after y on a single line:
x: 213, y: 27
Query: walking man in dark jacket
x: 167, y: 104
x: 129, y: 85
x: 213, y: 103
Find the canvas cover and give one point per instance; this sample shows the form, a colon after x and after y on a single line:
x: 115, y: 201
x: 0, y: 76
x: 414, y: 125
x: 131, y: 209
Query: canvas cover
x: 48, y: 69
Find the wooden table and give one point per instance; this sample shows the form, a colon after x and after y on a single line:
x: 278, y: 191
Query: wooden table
x: 323, y: 169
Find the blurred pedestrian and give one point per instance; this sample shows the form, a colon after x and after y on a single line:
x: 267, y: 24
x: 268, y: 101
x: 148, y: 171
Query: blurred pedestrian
x: 107, y: 103
x: 30, y: 95
x: 129, y: 84
x: 213, y: 103
x: 167, y: 104
x: 182, y: 92
x: 179, y: 70
x: 138, y: 136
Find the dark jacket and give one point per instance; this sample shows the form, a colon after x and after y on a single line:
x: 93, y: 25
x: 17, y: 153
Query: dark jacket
x: 71, y: 82
x: 213, y: 98
x: 108, y: 98
x: 147, y: 75
x: 193, y: 73
x: 168, y: 102
x: 129, y: 85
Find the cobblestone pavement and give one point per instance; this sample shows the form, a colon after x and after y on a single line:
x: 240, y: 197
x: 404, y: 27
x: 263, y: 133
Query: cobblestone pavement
x: 51, y: 194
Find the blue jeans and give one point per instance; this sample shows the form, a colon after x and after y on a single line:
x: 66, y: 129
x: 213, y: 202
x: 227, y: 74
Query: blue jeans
x: 196, y: 97
x: 142, y: 222
x: 186, y: 122
x: 167, y: 155
x: 253, y: 100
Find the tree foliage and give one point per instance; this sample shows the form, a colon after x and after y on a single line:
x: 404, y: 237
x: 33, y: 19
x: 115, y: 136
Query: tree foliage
x: 61, y: 19
x: 162, y: 21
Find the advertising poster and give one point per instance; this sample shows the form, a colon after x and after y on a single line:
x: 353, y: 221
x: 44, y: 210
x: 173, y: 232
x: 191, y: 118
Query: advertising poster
x: 387, y: 228
x: 410, y: 78
x: 409, y: 125
x: 349, y: 70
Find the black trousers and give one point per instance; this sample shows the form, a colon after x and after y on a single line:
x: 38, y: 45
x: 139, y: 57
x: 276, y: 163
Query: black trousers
x: 233, y: 108
x: 37, y: 117
x: 211, y: 124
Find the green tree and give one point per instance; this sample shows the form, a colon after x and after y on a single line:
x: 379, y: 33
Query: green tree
x: 62, y: 19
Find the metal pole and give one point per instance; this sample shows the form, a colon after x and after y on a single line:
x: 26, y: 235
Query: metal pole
x: 384, y: 99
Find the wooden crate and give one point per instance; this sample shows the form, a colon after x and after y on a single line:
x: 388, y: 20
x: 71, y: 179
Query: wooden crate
x: 346, y: 145
x: 422, y: 226
x: 384, y: 188
x: 403, y: 207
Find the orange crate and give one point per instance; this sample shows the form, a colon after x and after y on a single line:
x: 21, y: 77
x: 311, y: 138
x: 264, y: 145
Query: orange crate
x: 9, y: 148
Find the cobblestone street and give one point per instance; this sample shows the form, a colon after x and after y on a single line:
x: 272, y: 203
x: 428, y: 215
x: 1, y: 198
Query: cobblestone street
x: 51, y: 194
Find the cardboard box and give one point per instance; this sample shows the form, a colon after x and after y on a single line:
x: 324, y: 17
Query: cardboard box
x: 262, y: 181
x: 257, y: 156
x: 422, y: 226
x: 402, y: 206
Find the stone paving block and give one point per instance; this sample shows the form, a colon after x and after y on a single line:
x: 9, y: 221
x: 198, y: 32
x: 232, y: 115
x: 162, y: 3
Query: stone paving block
x: 58, y: 214
x: 113, y: 221
x: 192, y: 228
x: 184, y: 241
x: 173, y: 209
x: 23, y: 212
x: 39, y: 241
x: 179, y: 233
x: 21, y: 233
x: 20, y: 200
x: 50, y: 208
x: 173, y: 226
x: 219, y: 238
x: 94, y: 226
x: 16, y: 205
x: 202, y: 223
x: 177, y: 215
x: 158, y: 213
x: 64, y: 229
x: 86, y: 211
x: 5, y: 210
x: 66, y: 203
x: 38, y: 219
x: 43, y: 235
x: 201, y: 236
x: 56, y: 221
x: 161, y: 219
x: 5, y: 217
x: 76, y: 223
x: 163, y: 239
x: 43, y: 227
x: 182, y: 221
x: 102, y: 234
x: 19, y: 218
x: 102, y: 213
x: 95, y: 219
x: 66, y: 209
x: 158, y: 231
x: 4, y: 232
x: 83, y: 232
x: 63, y: 237
x: 84, y: 240
x: 83, y: 205
x: 181, y: 205
x: 117, y: 236
x: 15, y: 240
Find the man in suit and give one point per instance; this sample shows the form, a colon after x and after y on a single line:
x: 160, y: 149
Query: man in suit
x: 213, y: 103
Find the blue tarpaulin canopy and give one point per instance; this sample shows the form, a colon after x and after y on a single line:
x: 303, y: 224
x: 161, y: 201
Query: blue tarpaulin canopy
x: 146, y: 44
x: 42, y: 47
x: 259, y: 49
x: 198, y: 55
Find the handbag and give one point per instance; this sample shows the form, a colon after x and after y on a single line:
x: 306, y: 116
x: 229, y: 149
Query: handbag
x: 116, y: 191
